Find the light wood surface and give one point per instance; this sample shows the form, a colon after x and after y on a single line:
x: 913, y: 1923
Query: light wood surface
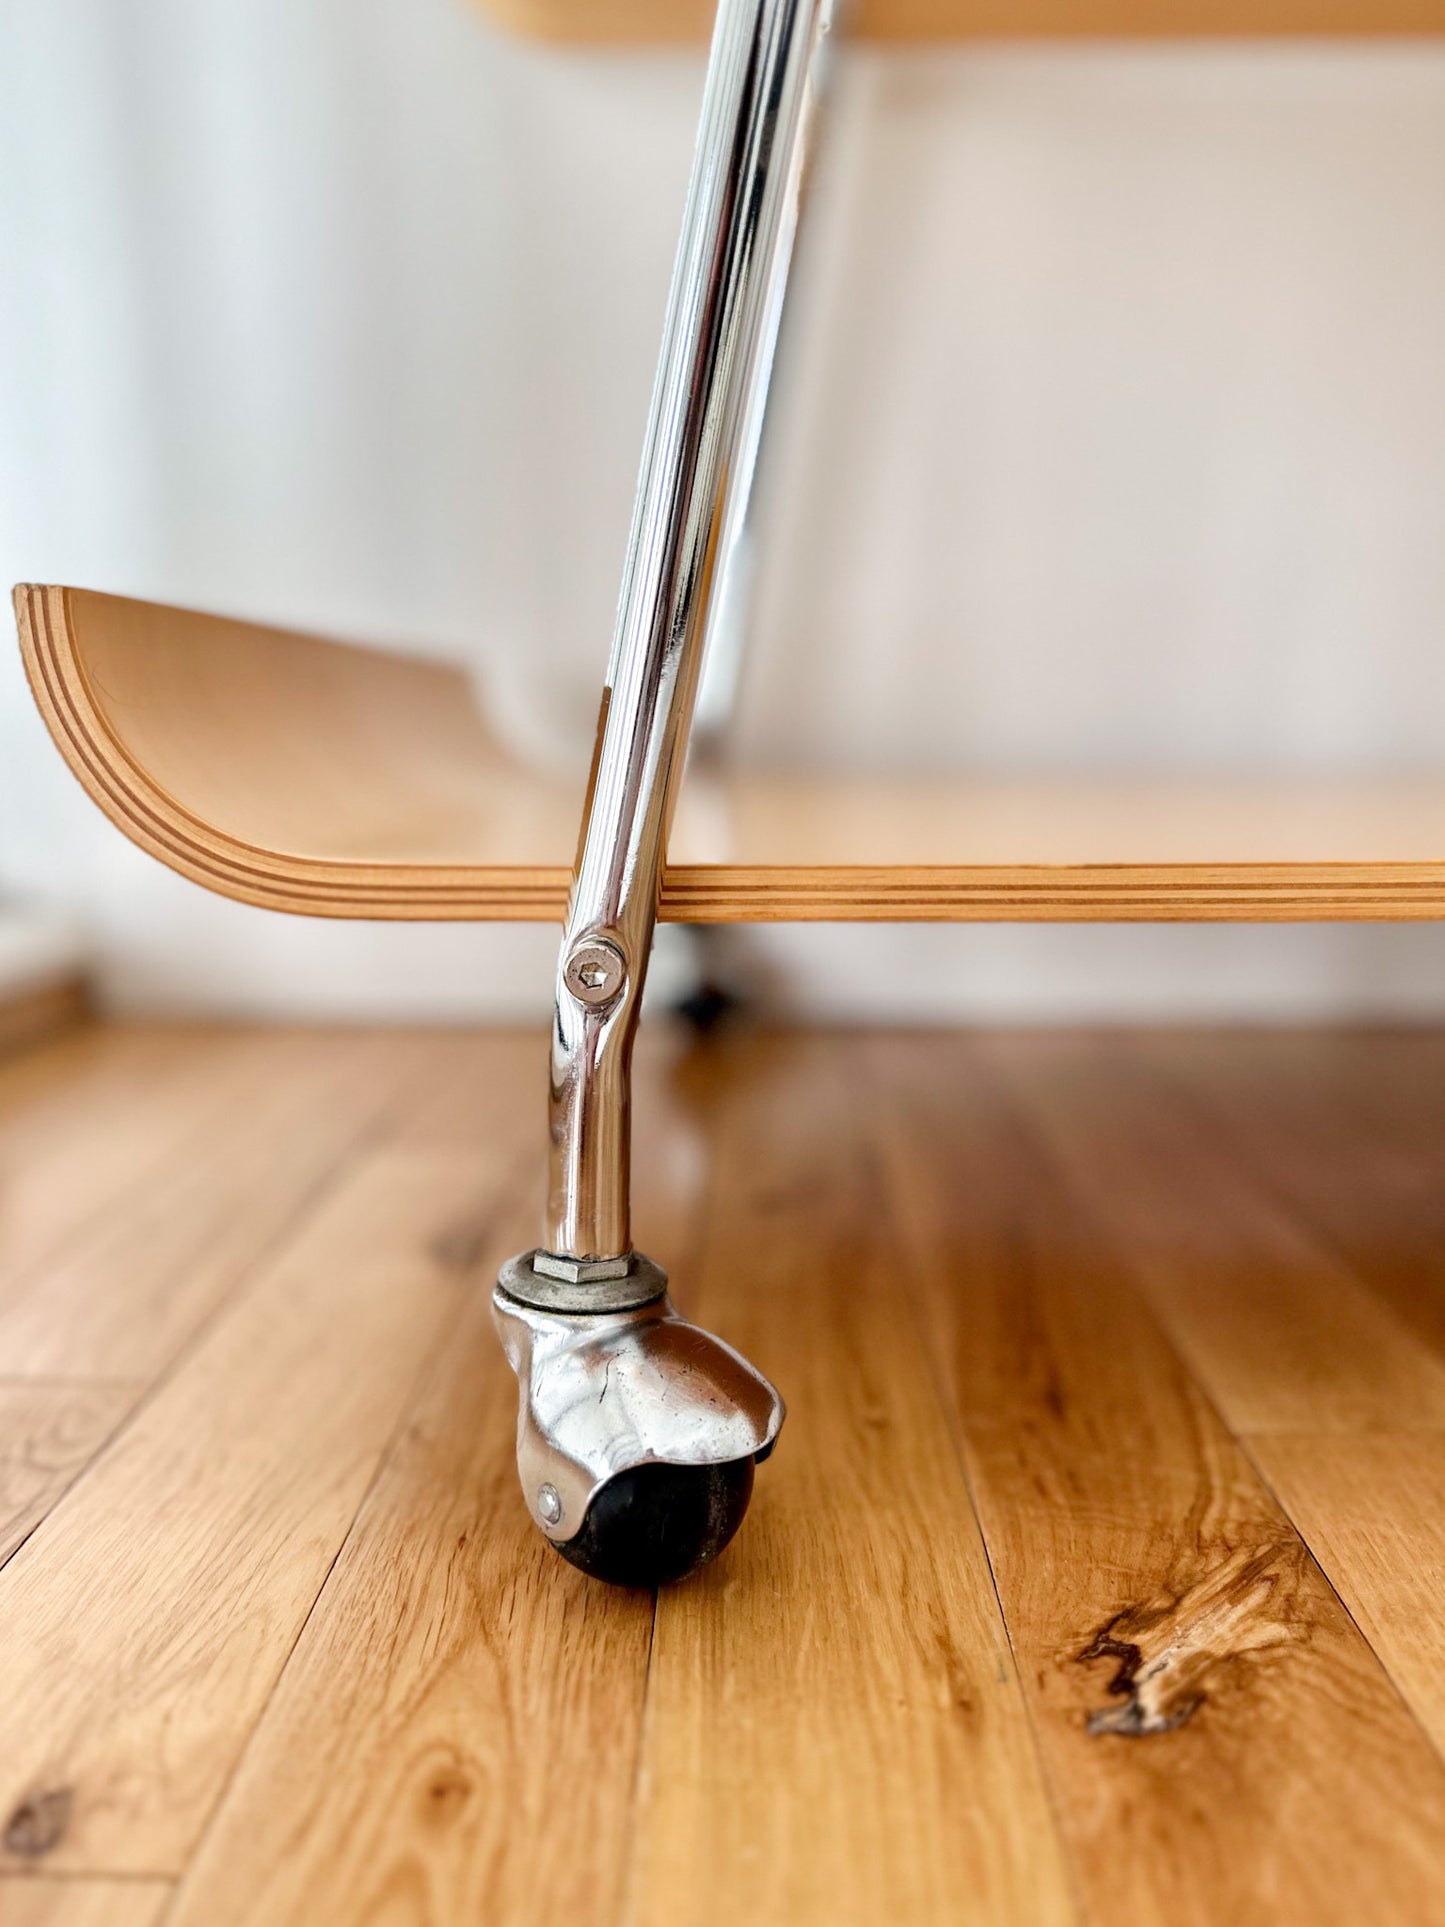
x: 1373, y: 1509
x: 111, y: 1105
x: 1194, y: 1680
x: 277, y: 1118
x: 1359, y: 1159
x: 602, y: 22
x: 48, y: 1434
x: 1028, y: 1623
x: 1285, y: 1336
x: 83, y: 1903
x: 335, y: 781
x: 1352, y: 1134
x: 490, y: 1698
x: 35, y: 1015
x: 856, y: 1621
x: 215, y: 1518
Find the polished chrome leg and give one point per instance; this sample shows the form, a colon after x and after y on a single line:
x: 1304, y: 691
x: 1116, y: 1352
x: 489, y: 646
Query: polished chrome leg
x: 638, y: 1432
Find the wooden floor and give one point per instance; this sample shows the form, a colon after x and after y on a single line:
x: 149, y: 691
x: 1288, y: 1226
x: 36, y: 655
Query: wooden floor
x: 1099, y: 1575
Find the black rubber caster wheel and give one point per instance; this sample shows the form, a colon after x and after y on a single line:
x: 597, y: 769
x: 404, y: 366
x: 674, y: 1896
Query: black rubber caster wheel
x: 658, y: 1523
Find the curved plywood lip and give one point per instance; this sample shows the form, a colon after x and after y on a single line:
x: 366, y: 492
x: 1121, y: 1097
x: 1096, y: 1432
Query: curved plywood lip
x: 89, y: 700
x: 328, y: 780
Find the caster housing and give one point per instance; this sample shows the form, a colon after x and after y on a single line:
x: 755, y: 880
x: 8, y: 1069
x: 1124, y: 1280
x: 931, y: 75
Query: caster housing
x: 637, y: 1432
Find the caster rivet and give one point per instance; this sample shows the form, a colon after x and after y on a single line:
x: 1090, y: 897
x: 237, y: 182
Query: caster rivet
x: 549, y: 1503
x: 595, y: 971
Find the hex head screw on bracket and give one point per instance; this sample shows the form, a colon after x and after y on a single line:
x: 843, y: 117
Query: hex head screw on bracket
x: 595, y: 971
x: 638, y: 1432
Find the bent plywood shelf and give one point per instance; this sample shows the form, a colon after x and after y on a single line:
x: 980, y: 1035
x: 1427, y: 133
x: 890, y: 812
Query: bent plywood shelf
x: 336, y: 781
x: 612, y: 22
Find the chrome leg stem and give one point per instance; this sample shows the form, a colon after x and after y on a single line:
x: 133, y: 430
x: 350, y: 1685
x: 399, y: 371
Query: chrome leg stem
x: 696, y: 472
x: 690, y: 1405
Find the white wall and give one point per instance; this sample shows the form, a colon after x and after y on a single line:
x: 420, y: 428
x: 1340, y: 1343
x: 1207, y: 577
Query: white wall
x: 1112, y: 434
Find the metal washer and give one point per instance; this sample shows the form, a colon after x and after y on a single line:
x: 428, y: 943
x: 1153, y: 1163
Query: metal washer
x: 642, y: 1284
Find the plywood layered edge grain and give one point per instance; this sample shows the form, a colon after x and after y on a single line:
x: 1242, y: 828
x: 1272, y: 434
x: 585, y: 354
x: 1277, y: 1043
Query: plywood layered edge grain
x: 661, y: 22
x: 214, y: 855
x: 333, y: 781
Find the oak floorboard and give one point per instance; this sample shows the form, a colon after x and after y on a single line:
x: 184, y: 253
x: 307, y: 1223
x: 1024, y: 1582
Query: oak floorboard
x: 492, y: 1697
x: 84, y: 1121
x: 1349, y: 1130
x: 455, y: 1737
x: 273, y: 1118
x: 1373, y: 1512
x: 144, y: 1624
x: 486, y: 1083
x: 84, y: 1077
x: 32, y: 1017
x: 285, y: 1636
x: 48, y: 1434
x: 1196, y: 1686
x: 65, y: 1077
x: 1282, y: 1334
x: 42, y: 1902
x: 835, y: 1731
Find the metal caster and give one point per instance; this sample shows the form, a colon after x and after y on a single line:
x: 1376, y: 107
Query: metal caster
x: 638, y: 1433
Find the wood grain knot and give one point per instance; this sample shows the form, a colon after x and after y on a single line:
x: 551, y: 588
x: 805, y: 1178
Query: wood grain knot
x: 1176, y: 1650
x: 38, y: 1824
x: 446, y: 1790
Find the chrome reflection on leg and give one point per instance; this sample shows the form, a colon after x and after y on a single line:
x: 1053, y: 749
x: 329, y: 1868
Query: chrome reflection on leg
x: 638, y: 1433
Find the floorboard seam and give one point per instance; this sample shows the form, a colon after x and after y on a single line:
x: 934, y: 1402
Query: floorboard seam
x: 445, y: 1334
x: 245, y: 1281
x: 627, y: 1887
x: 956, y: 1432
x: 1129, y: 1275
x: 1246, y: 1446
x: 76, y: 1233
x: 1209, y: 1113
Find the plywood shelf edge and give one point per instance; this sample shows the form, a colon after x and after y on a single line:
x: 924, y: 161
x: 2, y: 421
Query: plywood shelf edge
x: 688, y: 22
x: 201, y: 739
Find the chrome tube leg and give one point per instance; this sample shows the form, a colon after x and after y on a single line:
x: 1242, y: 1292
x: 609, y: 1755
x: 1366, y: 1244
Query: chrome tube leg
x: 638, y: 1432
